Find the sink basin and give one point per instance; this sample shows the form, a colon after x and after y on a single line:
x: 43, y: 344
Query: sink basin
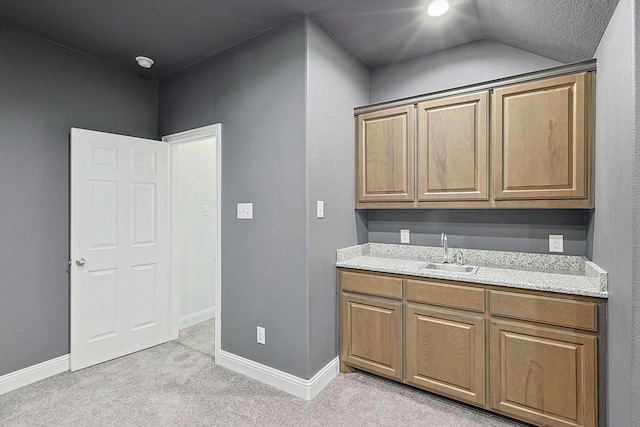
x: 451, y: 268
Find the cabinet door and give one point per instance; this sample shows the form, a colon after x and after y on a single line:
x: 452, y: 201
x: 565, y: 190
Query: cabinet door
x: 371, y: 335
x: 446, y: 353
x: 453, y: 149
x: 540, y: 140
x: 543, y: 376
x: 386, y: 145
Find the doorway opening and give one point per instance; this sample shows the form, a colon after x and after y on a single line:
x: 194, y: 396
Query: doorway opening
x: 195, y: 229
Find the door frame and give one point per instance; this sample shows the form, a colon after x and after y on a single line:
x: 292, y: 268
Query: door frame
x: 174, y: 140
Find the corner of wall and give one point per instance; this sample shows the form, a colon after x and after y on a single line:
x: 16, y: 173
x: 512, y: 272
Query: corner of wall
x: 336, y: 82
x: 615, y: 231
x: 635, y: 192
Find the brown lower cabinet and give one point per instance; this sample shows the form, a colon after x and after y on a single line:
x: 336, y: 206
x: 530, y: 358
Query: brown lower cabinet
x: 373, y: 338
x: 543, y: 375
x: 456, y: 369
x: 525, y: 354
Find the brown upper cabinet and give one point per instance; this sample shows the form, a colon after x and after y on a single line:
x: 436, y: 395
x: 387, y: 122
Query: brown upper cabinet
x: 386, y: 148
x: 453, y: 149
x: 540, y: 141
x: 531, y: 148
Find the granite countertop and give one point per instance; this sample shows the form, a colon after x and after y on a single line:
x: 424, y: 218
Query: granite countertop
x: 542, y: 272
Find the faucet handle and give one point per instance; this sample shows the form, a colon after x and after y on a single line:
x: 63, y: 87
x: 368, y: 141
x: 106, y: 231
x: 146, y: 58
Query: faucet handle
x: 459, y: 258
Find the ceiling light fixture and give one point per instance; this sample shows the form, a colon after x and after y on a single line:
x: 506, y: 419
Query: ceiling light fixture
x: 438, y: 7
x: 144, y: 62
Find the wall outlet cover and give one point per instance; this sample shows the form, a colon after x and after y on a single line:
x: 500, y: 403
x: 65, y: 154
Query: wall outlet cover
x: 245, y: 211
x: 556, y: 243
x: 260, y: 335
x: 405, y: 236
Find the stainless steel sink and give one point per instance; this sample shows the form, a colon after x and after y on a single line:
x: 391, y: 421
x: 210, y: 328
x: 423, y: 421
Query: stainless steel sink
x: 451, y: 268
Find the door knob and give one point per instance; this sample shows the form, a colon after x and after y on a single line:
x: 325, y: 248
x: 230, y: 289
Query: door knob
x: 80, y: 262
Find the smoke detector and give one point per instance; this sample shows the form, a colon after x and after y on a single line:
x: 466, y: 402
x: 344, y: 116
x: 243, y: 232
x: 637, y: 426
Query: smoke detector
x: 144, y: 61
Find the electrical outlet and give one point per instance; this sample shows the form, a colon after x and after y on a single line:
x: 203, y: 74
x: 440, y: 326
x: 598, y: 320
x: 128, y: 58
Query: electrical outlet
x: 405, y: 236
x: 261, y: 335
x: 245, y: 211
x: 206, y: 210
x: 556, y: 243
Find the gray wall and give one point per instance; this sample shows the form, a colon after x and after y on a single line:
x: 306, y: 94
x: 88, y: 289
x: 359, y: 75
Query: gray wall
x: 45, y: 89
x: 610, y: 231
x: 506, y: 230
x: 274, y: 96
x: 257, y: 92
x: 462, y: 65
x: 336, y: 83
x: 635, y: 200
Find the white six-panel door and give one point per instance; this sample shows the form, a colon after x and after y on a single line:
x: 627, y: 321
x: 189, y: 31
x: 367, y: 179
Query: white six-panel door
x: 120, y: 281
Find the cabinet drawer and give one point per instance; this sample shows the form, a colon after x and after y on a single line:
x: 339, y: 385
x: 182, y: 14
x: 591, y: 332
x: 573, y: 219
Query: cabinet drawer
x: 371, y: 284
x: 446, y: 295
x: 553, y: 311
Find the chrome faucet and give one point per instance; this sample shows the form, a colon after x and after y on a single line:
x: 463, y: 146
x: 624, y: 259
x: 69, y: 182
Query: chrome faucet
x: 443, y: 242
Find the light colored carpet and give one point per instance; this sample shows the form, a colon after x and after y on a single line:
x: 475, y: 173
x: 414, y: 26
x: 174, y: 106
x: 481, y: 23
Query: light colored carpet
x: 199, y: 337
x: 177, y: 384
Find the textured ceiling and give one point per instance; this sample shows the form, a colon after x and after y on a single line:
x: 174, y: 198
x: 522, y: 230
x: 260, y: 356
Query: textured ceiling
x: 179, y: 33
x: 564, y: 30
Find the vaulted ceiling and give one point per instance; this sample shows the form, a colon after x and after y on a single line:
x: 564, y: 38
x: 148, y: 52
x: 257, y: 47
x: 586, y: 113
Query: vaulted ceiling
x: 180, y: 33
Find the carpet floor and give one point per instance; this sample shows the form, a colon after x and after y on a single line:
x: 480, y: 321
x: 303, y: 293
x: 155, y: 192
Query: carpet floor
x: 177, y: 384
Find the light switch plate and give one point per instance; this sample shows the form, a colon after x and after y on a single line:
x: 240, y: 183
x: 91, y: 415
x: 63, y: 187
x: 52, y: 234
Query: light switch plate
x: 405, y: 236
x: 556, y: 243
x: 245, y: 210
x: 320, y: 209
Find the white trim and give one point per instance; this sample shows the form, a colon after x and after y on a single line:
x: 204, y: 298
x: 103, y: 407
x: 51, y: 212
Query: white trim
x: 197, y: 317
x: 193, y: 134
x: 32, y: 374
x: 188, y: 136
x: 304, y: 389
x: 218, y: 301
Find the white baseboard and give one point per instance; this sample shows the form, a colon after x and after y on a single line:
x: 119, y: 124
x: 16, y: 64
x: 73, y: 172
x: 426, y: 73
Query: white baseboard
x: 304, y: 389
x: 32, y: 374
x: 197, y: 317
